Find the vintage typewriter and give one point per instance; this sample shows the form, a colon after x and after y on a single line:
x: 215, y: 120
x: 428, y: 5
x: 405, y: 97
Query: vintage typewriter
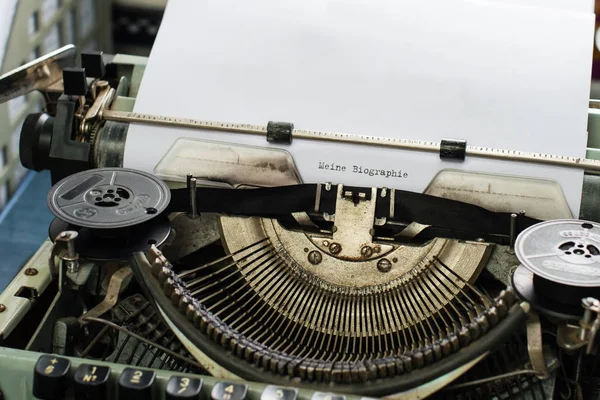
x: 161, y: 288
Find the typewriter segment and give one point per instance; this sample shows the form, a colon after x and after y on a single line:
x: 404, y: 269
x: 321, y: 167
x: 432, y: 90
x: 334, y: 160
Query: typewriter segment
x: 278, y: 302
x: 218, y: 273
x: 321, y: 301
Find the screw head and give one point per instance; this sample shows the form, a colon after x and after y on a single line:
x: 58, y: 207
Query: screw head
x: 315, y: 257
x: 31, y: 271
x: 68, y: 235
x: 2, y: 308
x: 366, y: 251
x: 384, y: 265
x: 589, y: 302
x: 335, y: 248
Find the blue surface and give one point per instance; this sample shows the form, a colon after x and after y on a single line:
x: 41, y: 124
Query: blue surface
x: 24, y: 224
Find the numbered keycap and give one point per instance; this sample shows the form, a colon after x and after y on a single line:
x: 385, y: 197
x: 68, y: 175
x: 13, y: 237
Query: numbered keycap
x: 278, y: 393
x: 49, y: 377
x: 136, y: 384
x: 183, y: 387
x: 327, y: 396
x: 91, y: 382
x: 229, y: 391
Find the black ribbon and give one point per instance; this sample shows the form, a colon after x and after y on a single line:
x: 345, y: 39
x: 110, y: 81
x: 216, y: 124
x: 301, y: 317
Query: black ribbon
x: 444, y: 215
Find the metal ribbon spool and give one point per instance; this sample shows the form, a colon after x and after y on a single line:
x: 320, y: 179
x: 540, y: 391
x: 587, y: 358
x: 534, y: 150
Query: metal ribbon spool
x: 560, y: 262
x: 115, y: 211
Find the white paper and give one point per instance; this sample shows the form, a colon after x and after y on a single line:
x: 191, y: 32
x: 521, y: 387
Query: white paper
x: 495, y: 74
x: 586, y: 6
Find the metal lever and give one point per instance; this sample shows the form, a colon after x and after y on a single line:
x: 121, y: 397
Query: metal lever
x: 590, y: 325
x: 573, y: 337
x: 64, y: 249
x: 44, y: 73
x: 117, y: 282
x: 514, y: 220
x: 191, y: 185
x: 535, y: 345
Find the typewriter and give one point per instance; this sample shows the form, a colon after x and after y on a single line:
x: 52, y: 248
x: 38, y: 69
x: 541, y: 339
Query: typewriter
x: 172, y: 288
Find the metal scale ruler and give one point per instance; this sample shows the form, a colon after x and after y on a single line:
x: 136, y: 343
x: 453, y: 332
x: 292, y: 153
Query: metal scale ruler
x: 367, y: 140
